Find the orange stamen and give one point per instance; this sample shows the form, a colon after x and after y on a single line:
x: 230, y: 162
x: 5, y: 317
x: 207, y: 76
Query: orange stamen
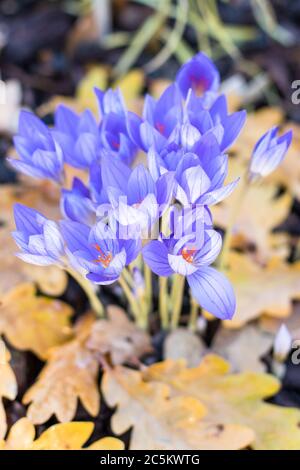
x: 104, y: 259
x: 160, y: 127
x: 188, y: 254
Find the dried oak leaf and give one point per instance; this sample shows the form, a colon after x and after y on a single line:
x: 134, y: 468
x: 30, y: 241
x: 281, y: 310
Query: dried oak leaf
x: 243, y: 348
x: 8, y: 385
x: 70, y: 373
x: 232, y: 398
x: 72, y: 369
x: 66, y: 436
x: 34, y: 323
x: 262, y: 290
x: 260, y: 212
x: 163, y: 421
x: 119, y: 337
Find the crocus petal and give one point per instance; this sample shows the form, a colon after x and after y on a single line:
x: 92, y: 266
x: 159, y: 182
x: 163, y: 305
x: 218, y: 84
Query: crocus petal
x: 217, y: 195
x: 232, y: 127
x: 53, y: 239
x: 164, y: 188
x: 38, y: 260
x: 66, y: 120
x: 155, y: 255
x: 140, y: 184
x: 213, y: 292
x: 195, y: 182
x: 210, y: 250
x: 74, y: 234
x: 114, y: 172
x: 180, y: 265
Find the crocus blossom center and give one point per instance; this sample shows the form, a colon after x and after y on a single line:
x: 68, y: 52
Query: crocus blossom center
x: 103, y: 258
x: 188, y: 254
x: 160, y: 127
x: 116, y: 144
x: 199, y: 84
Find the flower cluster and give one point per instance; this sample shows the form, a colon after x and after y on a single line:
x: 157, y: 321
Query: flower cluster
x: 160, y: 209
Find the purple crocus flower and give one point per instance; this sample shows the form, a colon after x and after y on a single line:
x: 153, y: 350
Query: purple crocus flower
x: 200, y: 74
x: 137, y: 200
x: 168, y: 126
x: 159, y: 120
x: 38, y: 238
x: 199, y: 173
x: 186, y: 257
x: 40, y: 156
x: 98, y: 252
x: 114, y: 135
x: 210, y: 113
x: 269, y: 152
x: 78, y: 136
x: 76, y: 203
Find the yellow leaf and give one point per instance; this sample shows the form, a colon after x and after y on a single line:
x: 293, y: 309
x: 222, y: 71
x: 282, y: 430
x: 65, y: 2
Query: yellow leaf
x: 262, y: 290
x: 107, y: 443
x: 34, y: 323
x: 70, y: 373
x: 131, y: 85
x: 162, y: 421
x: 260, y: 212
x: 96, y: 76
x: 66, y: 436
x: 71, y: 370
x: 8, y: 385
x: 232, y: 398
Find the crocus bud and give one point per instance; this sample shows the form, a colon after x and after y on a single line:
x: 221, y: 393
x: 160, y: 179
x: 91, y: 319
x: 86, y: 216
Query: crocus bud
x: 268, y: 153
x: 282, y: 344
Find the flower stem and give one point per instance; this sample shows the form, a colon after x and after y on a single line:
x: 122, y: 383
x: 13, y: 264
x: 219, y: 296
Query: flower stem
x: 90, y: 292
x: 148, y: 286
x: 223, y: 260
x: 163, y: 302
x: 193, y: 315
x: 176, y: 299
x: 138, y: 313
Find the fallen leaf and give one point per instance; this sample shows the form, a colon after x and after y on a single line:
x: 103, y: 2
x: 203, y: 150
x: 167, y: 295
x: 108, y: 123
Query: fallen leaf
x: 8, y: 385
x: 34, y: 323
x: 260, y: 212
x: 70, y: 373
x: 262, y: 290
x: 66, y: 436
x: 161, y: 421
x: 184, y: 344
x: 119, y: 337
x: 271, y: 325
x: 232, y: 398
x: 243, y: 348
